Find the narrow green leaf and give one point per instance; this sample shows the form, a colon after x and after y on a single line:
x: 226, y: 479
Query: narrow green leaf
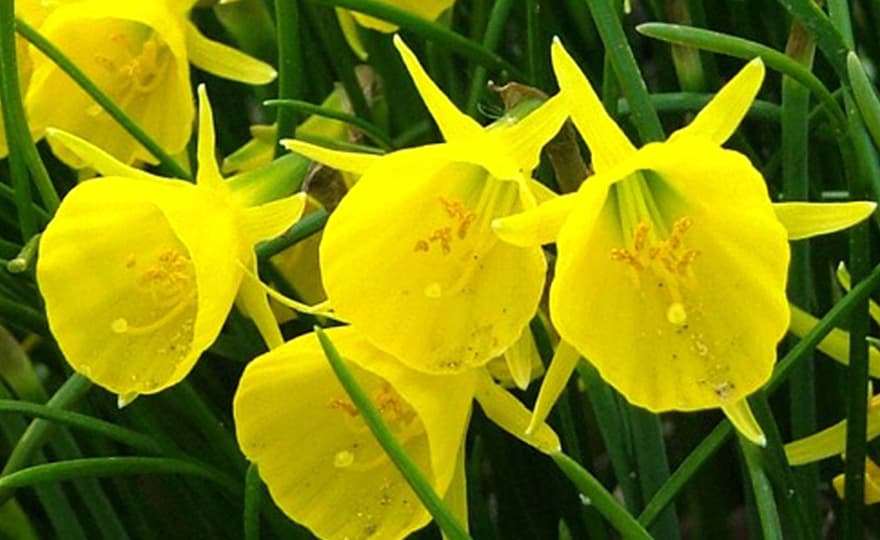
x: 491, y: 39
x: 764, y: 502
x: 307, y: 226
x: 373, y: 418
x: 290, y: 66
x: 865, y: 96
x: 253, y: 490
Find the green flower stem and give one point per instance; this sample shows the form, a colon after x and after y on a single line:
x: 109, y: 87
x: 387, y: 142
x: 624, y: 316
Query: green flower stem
x: 373, y: 418
x: 632, y: 85
x: 128, y: 437
x: 23, y: 316
x: 795, y: 185
x: 708, y: 446
x: 428, y: 30
x: 13, y: 118
x: 533, y: 43
x: 38, y: 432
x: 599, y: 497
x: 865, y: 96
x: 613, y: 428
x: 494, y: 29
x: 743, y: 48
x: 768, y: 515
x: 307, y: 226
x: 47, y: 48
x: 290, y: 66
x: 368, y: 129
x: 113, y: 466
x: 253, y: 490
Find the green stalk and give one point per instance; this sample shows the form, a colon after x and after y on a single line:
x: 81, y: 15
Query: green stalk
x: 253, y: 490
x: 600, y: 498
x: 865, y: 96
x: 13, y: 117
x: 831, y: 41
x: 771, y: 528
x: 37, y: 433
x: 494, y: 30
x: 113, y: 466
x: 290, y: 67
x: 373, y: 418
x: 128, y: 437
x: 743, y: 48
x: 310, y: 224
x: 627, y: 70
x: 796, y: 184
x: 367, y: 128
x: 22, y: 316
x: 47, y: 48
x: 428, y: 30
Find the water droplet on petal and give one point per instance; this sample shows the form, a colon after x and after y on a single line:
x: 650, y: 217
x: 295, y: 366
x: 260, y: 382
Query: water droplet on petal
x: 343, y: 459
x: 119, y: 326
x: 433, y: 290
x: 676, y: 314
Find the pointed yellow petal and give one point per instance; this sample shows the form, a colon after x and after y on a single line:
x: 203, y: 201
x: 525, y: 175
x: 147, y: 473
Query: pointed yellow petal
x: 268, y: 220
x: 872, y: 483
x: 537, y: 226
x: 509, y: 414
x: 525, y: 139
x: 342, y: 484
x: 422, y: 253
x: 156, y: 271
x: 456, y: 495
x: 224, y: 61
x: 742, y: 418
x: 831, y: 441
x: 252, y: 301
x: 720, y: 117
x: 124, y: 400
x: 208, y: 174
x: 94, y: 157
x: 606, y: 140
x: 520, y: 358
x: 351, y: 33
x: 564, y: 361
x: 835, y: 344
x: 355, y: 162
x: 805, y: 220
x: 426, y: 9
x: 845, y: 281
x: 453, y: 124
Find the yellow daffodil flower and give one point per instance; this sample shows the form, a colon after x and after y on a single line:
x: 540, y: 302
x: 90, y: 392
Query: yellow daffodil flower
x: 139, y: 272
x: 341, y: 484
x: 409, y: 255
x: 872, y: 483
x: 138, y: 53
x: 672, y: 260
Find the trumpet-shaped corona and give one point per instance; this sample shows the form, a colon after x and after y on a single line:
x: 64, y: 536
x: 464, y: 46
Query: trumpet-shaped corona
x: 139, y: 272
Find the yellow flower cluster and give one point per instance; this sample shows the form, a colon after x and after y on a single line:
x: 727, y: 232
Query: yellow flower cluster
x: 669, y: 278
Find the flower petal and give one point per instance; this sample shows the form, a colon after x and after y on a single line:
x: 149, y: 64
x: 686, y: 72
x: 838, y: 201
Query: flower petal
x: 607, y: 142
x: 509, y: 414
x: 805, y: 220
x: 565, y: 359
x: 540, y: 225
x: 524, y: 140
x: 224, y: 61
x: 720, y: 117
x: 355, y: 162
x: 835, y: 344
x: 426, y: 9
x: 831, y: 441
x: 453, y: 124
x: 422, y: 253
x: 94, y: 157
x: 703, y: 334
x: 155, y: 279
x: 254, y: 304
x: 342, y: 484
x: 208, y: 173
x: 742, y: 418
x: 266, y: 221
x: 520, y: 358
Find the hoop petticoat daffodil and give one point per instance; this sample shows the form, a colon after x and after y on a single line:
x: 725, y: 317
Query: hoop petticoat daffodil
x: 342, y: 484
x: 139, y: 272
x: 138, y: 53
x: 672, y: 260
x: 409, y: 256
